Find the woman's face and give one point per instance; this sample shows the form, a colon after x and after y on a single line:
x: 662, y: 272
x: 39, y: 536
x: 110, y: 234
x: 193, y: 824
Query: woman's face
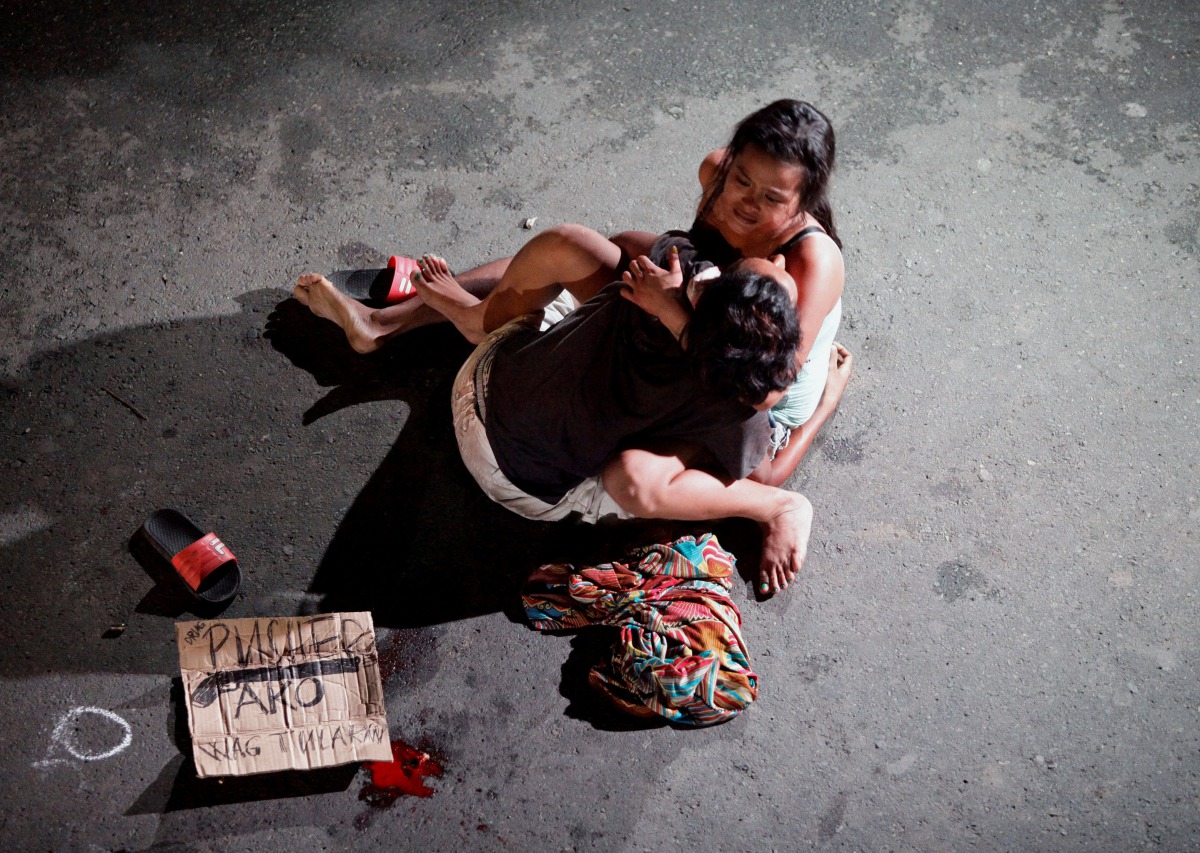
x: 761, y: 198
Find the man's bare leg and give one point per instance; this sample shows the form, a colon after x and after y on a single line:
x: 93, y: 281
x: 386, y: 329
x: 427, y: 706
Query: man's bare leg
x: 414, y: 313
x: 660, y: 485
x: 368, y: 328
x: 568, y: 257
x: 326, y: 301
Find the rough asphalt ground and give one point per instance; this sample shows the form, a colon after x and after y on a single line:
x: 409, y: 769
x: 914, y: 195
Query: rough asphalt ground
x: 994, y: 643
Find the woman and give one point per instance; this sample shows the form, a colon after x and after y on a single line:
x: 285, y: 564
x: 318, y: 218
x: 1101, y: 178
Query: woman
x: 766, y: 194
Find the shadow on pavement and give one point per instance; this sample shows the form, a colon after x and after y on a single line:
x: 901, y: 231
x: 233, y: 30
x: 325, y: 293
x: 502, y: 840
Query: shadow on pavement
x: 216, y: 424
x: 234, y: 436
x: 177, y: 788
x: 420, y: 544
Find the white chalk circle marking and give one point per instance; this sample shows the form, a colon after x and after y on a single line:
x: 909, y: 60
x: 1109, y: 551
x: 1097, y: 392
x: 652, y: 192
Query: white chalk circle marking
x: 62, y: 734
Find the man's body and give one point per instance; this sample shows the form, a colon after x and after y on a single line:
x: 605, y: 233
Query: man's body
x: 559, y: 404
x: 605, y: 414
x: 678, y: 464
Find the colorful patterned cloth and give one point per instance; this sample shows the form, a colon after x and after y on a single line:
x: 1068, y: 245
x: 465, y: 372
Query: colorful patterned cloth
x: 680, y: 653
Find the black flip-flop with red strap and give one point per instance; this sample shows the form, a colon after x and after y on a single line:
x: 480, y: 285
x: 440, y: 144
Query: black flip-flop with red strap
x: 387, y: 286
x: 205, y: 564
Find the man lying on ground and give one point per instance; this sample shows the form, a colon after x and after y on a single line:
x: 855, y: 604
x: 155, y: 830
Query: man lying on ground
x: 606, y: 413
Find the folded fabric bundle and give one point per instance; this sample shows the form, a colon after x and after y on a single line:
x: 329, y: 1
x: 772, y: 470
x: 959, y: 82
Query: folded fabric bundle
x: 680, y: 653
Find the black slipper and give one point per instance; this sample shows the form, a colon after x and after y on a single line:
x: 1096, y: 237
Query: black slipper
x: 204, y: 565
x: 387, y: 286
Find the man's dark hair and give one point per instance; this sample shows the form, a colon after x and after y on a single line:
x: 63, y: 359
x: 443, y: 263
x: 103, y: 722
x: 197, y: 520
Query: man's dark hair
x: 743, y: 336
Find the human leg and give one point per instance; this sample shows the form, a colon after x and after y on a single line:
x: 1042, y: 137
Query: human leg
x: 659, y: 484
x: 414, y: 313
x: 632, y: 244
x: 368, y: 328
x: 568, y: 257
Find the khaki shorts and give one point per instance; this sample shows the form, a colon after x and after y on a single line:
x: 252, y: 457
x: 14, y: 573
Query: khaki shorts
x: 588, y: 499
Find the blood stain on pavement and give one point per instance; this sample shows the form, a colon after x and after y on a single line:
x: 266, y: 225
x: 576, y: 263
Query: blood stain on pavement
x: 404, y: 775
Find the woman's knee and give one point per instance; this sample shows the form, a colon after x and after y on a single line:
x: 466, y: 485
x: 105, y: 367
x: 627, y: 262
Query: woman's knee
x: 579, y: 244
x: 634, y: 243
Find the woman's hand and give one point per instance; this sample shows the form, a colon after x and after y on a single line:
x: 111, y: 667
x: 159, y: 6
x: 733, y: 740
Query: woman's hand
x: 658, y: 291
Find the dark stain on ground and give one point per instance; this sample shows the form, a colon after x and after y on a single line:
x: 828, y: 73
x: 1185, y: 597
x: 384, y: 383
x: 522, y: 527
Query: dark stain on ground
x: 956, y: 578
x: 360, y: 256
x: 585, y: 837
x: 405, y: 775
x: 815, y: 666
x: 299, y: 139
x: 832, y: 820
x: 407, y: 658
x: 437, y: 203
x: 843, y: 449
x: 950, y: 488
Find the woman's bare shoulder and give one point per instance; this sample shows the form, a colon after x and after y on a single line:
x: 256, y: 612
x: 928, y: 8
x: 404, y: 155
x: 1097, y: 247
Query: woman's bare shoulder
x: 816, y: 264
x: 709, y: 166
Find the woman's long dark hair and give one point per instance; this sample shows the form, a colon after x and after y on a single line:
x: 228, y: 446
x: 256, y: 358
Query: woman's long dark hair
x: 792, y: 132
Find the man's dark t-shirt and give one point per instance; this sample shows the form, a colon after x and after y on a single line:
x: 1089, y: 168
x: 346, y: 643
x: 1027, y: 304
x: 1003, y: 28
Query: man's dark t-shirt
x: 561, y: 403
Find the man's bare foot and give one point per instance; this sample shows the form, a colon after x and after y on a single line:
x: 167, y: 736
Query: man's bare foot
x: 785, y: 545
x: 326, y: 301
x: 439, y: 290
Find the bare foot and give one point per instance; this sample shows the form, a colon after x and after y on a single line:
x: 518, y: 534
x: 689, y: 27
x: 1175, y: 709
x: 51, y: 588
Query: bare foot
x: 439, y: 290
x: 841, y: 364
x: 326, y: 301
x: 785, y: 545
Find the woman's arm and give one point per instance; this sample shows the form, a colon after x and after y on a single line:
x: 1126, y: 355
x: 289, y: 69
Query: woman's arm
x: 816, y: 265
x: 709, y: 167
x: 774, y: 472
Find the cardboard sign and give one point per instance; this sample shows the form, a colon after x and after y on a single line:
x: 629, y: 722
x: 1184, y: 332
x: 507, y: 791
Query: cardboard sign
x: 282, y: 693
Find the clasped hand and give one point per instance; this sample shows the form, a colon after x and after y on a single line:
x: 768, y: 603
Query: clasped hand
x: 658, y: 291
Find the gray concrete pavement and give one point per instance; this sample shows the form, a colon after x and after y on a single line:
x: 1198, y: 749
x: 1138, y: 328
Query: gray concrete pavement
x: 994, y: 643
